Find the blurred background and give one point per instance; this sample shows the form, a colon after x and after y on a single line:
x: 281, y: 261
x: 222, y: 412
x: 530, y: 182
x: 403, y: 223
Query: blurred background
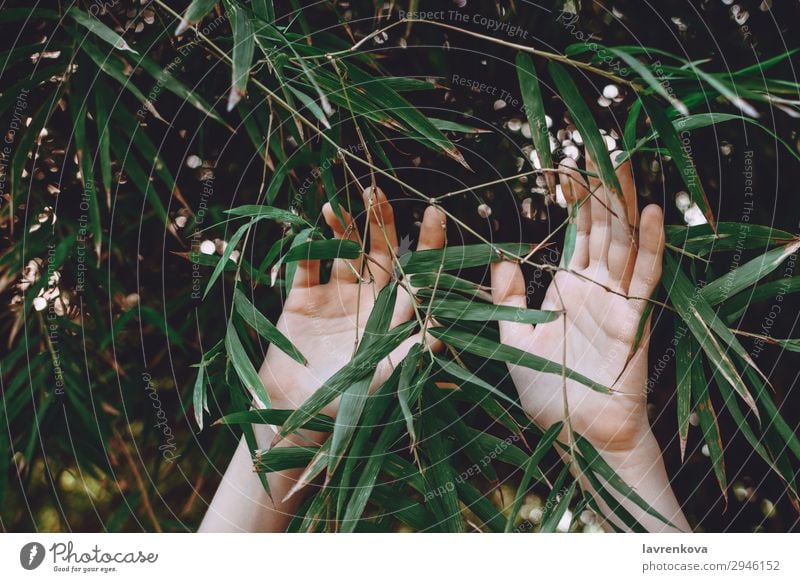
x: 98, y: 430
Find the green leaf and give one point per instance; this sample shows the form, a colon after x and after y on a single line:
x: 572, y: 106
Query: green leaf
x: 264, y: 327
x: 373, y: 414
x: 685, y: 353
x: 264, y: 10
x: 729, y: 93
x: 709, y: 425
x: 441, y: 476
x: 281, y: 458
x: 85, y: 160
x: 476, y: 502
x: 461, y: 257
x: 363, y: 364
x: 562, y: 500
x: 194, y: 13
x: 244, y: 47
x: 702, y: 240
x: 681, y: 155
x: 99, y: 29
x: 164, y: 78
x: 268, y: 212
x: 629, y: 135
x: 102, y: 116
x: 748, y: 274
x: 243, y: 366
x: 703, y: 323
x: 489, y: 349
x: 534, y: 108
x: 446, y: 125
x: 277, y: 417
x: 226, y: 255
x: 611, y: 501
x: 369, y: 472
x: 593, y: 140
x: 323, y: 250
x: 406, y: 388
x: 544, y: 445
x: 597, y: 464
x: 199, y: 399
x: 115, y: 69
x: 354, y: 399
x: 450, y: 283
x: 312, y: 106
x: 471, y: 311
x: 650, y: 80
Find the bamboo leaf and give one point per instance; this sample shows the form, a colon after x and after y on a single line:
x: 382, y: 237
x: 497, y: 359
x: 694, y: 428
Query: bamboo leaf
x: 323, y: 250
x: 471, y: 311
x: 592, y: 138
x: 709, y: 425
x: 226, y: 255
x: 405, y: 388
x: 199, y: 401
x: 544, y: 445
x: 597, y: 464
x: 282, y: 458
x: 244, y: 47
x: 264, y: 327
x: 650, y: 80
x: 87, y: 173
x: 681, y: 155
x: 703, y: 322
x: 99, y: 29
x: 562, y: 500
x: 194, y: 13
x: 363, y: 364
x: 369, y: 473
x: 460, y: 257
x: 277, y: 417
x: 489, y: 349
x: 534, y: 108
x: 269, y: 212
x: 748, y: 274
x: 244, y: 367
x: 684, y: 357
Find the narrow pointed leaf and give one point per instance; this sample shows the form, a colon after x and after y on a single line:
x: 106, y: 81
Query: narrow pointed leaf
x: 264, y: 327
x: 538, y: 454
x: 489, y: 349
x: 243, y: 366
x: 534, y: 107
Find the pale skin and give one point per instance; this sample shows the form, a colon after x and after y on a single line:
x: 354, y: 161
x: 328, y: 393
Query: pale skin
x: 603, y: 293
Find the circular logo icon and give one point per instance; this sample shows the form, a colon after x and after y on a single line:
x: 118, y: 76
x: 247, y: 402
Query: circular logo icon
x: 31, y: 555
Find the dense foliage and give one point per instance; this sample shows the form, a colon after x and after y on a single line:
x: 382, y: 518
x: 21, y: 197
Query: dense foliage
x: 164, y: 167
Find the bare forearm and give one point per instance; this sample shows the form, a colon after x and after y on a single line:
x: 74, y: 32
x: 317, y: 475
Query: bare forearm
x: 241, y: 504
x: 642, y: 468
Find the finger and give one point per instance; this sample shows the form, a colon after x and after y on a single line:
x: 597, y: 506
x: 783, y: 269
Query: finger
x: 382, y: 234
x: 508, y: 289
x: 431, y: 236
x: 433, y: 229
x: 622, y: 251
x: 344, y: 270
x: 600, y: 234
x: 575, y: 191
x: 647, y: 270
x: 306, y: 275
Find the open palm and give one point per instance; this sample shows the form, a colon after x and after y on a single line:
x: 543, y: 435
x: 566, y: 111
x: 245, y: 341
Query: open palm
x: 601, y: 294
x: 325, y: 321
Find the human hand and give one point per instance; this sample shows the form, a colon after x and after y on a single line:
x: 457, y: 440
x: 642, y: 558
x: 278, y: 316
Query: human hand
x: 602, y: 294
x: 325, y: 321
